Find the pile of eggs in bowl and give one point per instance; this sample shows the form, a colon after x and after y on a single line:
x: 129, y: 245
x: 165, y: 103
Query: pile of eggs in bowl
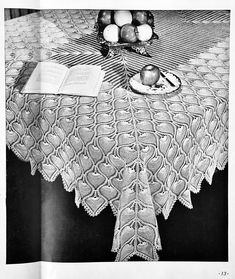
x: 126, y: 26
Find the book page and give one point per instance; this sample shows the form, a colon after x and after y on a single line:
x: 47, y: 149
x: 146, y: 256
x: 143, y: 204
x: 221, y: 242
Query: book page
x: 46, y: 78
x: 82, y: 80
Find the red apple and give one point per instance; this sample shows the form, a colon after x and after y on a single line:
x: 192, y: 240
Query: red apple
x: 128, y: 33
x: 139, y: 17
x: 105, y: 17
x: 149, y: 75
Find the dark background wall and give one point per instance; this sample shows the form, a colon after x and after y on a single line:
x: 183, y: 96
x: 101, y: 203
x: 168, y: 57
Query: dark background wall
x: 12, y: 13
x: 70, y: 235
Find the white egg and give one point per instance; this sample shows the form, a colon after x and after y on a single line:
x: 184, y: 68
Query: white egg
x: 145, y: 32
x: 111, y: 33
x: 122, y: 17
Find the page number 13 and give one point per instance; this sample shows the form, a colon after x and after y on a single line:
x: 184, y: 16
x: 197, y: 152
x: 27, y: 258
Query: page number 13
x: 223, y: 273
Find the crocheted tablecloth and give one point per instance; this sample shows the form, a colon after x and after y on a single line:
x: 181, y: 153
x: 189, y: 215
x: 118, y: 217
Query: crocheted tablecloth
x: 137, y: 153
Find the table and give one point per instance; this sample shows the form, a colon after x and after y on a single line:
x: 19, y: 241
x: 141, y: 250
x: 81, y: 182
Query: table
x: 138, y: 154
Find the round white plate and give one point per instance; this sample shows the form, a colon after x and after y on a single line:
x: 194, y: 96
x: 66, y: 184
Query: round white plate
x: 168, y: 84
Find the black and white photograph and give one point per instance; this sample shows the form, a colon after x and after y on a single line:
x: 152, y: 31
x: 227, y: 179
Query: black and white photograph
x: 117, y: 126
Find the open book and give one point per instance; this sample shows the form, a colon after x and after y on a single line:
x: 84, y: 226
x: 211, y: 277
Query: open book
x: 54, y: 78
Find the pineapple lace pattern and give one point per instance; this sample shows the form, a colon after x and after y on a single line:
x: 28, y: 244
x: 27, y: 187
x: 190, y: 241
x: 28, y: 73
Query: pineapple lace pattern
x: 139, y: 154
